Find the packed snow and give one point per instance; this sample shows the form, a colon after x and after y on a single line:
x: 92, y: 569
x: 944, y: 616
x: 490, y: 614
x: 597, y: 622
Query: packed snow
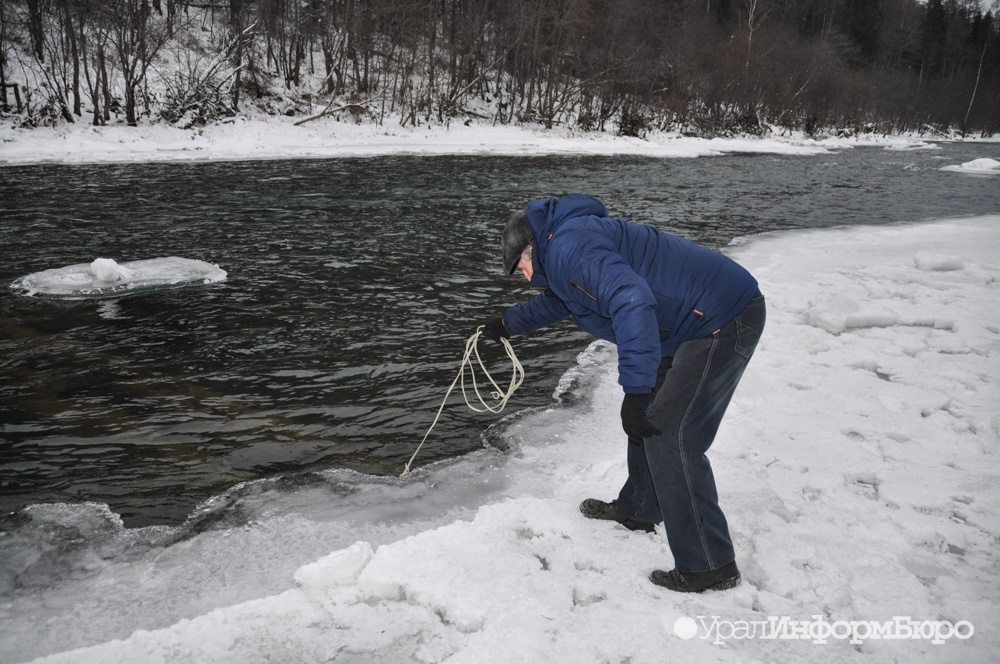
x: 976, y: 166
x: 858, y: 466
x: 108, y: 269
x: 104, y: 277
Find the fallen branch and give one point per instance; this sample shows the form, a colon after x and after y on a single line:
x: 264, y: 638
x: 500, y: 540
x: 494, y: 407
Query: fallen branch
x: 361, y: 106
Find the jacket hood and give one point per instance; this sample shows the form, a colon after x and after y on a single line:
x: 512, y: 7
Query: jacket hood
x: 547, y: 216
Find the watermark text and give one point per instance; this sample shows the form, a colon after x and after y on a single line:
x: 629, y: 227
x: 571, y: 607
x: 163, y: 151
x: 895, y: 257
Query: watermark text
x: 820, y: 630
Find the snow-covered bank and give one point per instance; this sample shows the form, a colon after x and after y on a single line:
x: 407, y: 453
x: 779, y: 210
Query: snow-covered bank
x: 858, y: 467
x: 279, y: 138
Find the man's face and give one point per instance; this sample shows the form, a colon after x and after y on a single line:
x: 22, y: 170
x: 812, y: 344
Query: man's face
x: 524, y: 265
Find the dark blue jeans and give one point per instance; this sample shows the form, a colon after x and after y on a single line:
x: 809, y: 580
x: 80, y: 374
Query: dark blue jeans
x: 669, y: 476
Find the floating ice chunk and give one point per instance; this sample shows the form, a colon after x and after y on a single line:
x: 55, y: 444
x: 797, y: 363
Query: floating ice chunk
x: 979, y: 166
x: 903, y: 147
x: 106, y: 269
x: 105, y: 278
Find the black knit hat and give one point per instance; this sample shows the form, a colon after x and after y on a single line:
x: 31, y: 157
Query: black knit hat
x: 516, y: 238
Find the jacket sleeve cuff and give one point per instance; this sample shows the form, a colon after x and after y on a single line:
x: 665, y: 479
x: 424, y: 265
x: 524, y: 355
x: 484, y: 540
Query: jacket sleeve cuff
x: 506, y: 325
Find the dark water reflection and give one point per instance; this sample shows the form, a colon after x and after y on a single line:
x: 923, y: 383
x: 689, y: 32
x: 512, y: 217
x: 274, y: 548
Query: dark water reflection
x: 353, y: 285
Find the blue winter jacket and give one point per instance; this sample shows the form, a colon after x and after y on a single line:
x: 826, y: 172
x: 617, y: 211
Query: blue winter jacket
x: 633, y: 285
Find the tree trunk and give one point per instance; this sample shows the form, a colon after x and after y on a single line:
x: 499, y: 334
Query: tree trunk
x: 130, y: 115
x: 979, y: 73
x: 74, y: 53
x: 36, y: 29
x: 105, y: 90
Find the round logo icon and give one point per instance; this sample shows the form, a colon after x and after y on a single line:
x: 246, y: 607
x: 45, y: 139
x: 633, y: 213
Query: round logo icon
x: 685, y: 628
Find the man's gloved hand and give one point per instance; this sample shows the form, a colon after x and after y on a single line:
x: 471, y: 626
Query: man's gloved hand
x: 635, y: 418
x: 494, y: 329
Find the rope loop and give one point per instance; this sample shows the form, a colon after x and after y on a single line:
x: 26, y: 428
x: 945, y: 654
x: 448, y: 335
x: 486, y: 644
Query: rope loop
x: 498, y: 395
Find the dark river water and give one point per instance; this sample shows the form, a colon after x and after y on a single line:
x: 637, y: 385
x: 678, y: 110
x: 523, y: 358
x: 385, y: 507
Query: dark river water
x: 353, y: 285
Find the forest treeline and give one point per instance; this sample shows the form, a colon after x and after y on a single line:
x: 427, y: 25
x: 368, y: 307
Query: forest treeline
x: 710, y: 67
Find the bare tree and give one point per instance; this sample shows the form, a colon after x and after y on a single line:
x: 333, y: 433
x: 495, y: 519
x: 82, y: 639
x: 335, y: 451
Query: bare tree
x: 756, y: 12
x: 136, y: 36
x: 631, y: 65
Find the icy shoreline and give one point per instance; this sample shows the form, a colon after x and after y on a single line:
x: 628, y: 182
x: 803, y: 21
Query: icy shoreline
x: 279, y: 138
x: 858, y: 466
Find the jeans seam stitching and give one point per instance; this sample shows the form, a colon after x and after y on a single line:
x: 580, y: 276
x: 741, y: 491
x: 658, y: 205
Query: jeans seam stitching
x: 684, y: 464
x: 739, y: 336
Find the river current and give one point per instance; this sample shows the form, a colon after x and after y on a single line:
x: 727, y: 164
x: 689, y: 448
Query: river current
x: 353, y: 285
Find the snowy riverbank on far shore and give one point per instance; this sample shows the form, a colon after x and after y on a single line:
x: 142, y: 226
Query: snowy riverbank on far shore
x: 278, y: 138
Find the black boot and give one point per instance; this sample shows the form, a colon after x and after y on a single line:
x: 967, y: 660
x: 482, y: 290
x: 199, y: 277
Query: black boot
x: 593, y: 508
x: 727, y: 576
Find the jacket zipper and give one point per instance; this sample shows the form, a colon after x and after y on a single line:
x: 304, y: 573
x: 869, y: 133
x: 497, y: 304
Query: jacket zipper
x: 582, y: 290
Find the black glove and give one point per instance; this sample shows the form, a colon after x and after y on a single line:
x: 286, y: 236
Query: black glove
x: 494, y: 329
x: 635, y: 416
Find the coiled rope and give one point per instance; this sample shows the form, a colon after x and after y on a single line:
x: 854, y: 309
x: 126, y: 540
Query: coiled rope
x: 498, y: 395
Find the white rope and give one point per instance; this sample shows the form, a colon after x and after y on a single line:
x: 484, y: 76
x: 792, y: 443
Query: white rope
x: 501, y: 397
